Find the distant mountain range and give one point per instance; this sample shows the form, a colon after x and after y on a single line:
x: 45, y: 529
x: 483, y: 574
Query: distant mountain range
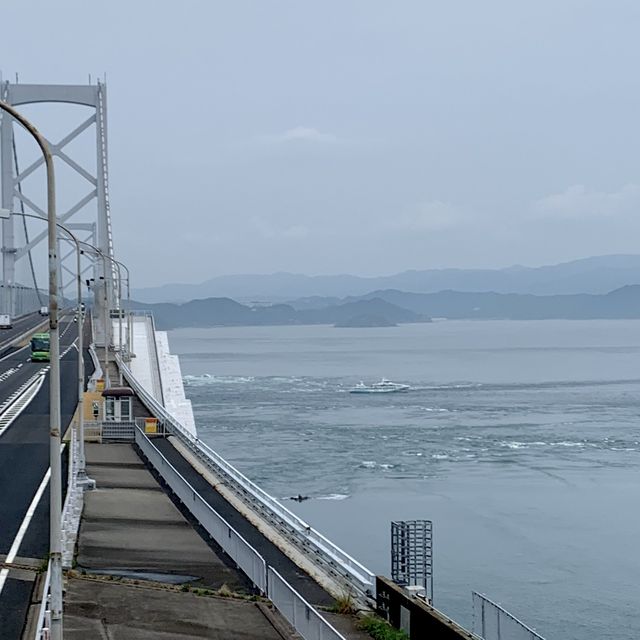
x: 389, y: 307
x: 596, y: 275
x: 618, y: 304
x: 212, y: 312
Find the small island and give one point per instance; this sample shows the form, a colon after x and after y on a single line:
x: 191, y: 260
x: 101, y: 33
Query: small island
x: 365, y: 320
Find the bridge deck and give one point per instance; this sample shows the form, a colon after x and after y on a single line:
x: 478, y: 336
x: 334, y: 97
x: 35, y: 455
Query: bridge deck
x: 24, y: 460
x: 132, y: 532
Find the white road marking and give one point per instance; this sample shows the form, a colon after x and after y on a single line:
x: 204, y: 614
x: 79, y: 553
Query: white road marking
x: 13, y: 353
x: 20, y: 399
x: 13, y: 552
x: 15, y: 547
x: 8, y: 373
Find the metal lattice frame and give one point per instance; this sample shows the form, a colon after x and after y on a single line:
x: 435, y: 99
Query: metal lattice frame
x: 412, y: 554
x: 94, y: 205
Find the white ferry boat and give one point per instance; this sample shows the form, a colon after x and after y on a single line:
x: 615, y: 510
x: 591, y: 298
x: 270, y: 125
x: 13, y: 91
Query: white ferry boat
x: 384, y: 386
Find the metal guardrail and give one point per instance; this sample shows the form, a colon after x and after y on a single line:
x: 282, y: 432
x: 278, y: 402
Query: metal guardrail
x: 303, y: 617
x: 97, y: 367
x: 72, y: 508
x: 316, y: 546
x: 300, y: 614
x: 493, y: 622
x: 236, y: 547
x: 349, y: 572
x: 44, y: 613
x: 100, y: 430
x: 110, y: 430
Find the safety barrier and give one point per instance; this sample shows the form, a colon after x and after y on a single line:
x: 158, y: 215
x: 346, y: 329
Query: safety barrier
x: 493, y: 622
x: 43, y: 623
x: 302, y: 616
x: 352, y: 575
x: 315, y: 546
x: 234, y: 545
x: 74, y: 501
x: 97, y: 367
x: 100, y: 430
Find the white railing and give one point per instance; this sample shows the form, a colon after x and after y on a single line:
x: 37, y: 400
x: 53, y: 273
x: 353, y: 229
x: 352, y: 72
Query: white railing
x: 234, y: 545
x: 352, y: 574
x: 312, y: 542
x: 493, y: 622
x: 97, y: 367
x: 72, y: 509
x: 100, y: 430
x: 44, y: 613
x: 305, y: 619
x: 300, y: 614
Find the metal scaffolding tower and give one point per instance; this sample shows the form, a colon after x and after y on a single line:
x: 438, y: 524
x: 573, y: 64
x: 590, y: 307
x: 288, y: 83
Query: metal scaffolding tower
x: 90, y: 213
x: 412, y: 555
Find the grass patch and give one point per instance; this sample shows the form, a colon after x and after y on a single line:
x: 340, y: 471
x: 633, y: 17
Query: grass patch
x: 344, y: 604
x: 44, y: 565
x: 379, y: 629
x: 225, y: 592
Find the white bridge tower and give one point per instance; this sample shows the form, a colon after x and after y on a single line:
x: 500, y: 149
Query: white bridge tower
x: 88, y: 216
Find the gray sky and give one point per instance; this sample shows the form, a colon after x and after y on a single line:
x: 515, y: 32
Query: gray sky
x: 365, y: 137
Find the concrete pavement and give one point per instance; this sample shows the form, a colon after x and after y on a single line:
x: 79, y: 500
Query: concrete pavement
x: 132, y: 532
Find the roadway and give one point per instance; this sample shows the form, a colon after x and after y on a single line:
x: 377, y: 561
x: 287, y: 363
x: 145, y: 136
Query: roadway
x: 24, y: 463
x: 20, y: 326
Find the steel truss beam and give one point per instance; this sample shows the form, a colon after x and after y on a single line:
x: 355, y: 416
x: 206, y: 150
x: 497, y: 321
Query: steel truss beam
x: 94, y: 205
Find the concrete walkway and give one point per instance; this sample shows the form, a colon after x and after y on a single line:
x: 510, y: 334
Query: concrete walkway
x: 131, y: 529
x: 125, y: 612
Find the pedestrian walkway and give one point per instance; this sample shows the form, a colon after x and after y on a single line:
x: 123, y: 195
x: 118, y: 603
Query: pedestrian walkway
x: 143, y: 572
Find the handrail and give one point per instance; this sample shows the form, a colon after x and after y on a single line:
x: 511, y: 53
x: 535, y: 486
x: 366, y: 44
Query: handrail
x: 42, y: 612
x: 97, y: 367
x: 322, y: 625
x: 326, y: 552
x: 479, y: 630
x: 311, y: 621
x: 321, y: 541
x: 148, y: 449
x: 73, y: 504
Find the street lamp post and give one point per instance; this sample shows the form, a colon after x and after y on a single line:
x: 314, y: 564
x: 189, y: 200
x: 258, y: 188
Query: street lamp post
x: 105, y: 257
x: 105, y: 310
x: 55, y: 510
x: 120, y: 311
x: 117, y: 264
x: 83, y: 480
x: 124, y: 266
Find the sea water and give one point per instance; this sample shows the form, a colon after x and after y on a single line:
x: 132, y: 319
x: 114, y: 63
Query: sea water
x: 519, y: 440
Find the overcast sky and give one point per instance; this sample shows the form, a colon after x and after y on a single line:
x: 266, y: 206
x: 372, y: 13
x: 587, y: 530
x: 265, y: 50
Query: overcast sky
x: 365, y: 137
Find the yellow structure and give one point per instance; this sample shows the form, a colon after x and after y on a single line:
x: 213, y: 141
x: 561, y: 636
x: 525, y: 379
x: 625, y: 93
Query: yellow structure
x: 151, y: 425
x: 93, y: 406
